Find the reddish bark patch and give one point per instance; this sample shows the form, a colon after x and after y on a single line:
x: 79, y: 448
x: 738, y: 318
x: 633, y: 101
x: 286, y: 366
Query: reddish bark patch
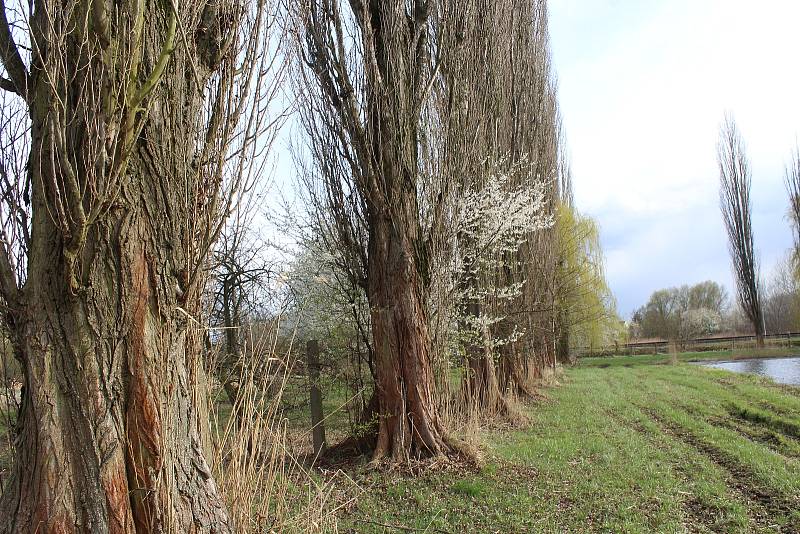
x: 143, y: 423
x: 408, y: 424
x: 115, y: 484
x: 58, y: 524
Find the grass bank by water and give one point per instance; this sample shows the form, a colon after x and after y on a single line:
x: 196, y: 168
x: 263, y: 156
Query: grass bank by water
x: 627, y: 444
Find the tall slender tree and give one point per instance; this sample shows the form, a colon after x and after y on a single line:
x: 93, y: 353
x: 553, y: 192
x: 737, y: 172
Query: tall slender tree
x: 793, y: 188
x: 142, y: 118
x: 497, y: 108
x: 488, y: 106
x: 532, y: 131
x: 368, y: 69
x: 734, y: 199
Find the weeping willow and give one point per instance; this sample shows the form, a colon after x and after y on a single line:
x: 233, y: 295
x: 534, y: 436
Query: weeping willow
x: 585, y: 307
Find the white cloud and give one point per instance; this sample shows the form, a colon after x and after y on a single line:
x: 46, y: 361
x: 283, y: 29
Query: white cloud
x: 643, y: 88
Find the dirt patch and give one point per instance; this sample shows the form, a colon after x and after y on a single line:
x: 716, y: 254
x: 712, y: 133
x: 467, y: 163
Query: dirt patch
x: 639, y: 427
x: 701, y: 514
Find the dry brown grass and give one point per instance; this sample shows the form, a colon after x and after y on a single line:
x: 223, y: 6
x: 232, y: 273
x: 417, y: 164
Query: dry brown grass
x: 265, y: 485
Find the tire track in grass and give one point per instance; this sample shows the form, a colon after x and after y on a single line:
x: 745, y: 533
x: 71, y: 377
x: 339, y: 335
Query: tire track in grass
x: 763, y: 502
x: 776, y: 424
x: 700, y: 513
x: 774, y: 430
x: 775, y: 441
x: 780, y: 410
x: 789, y: 396
x: 754, y: 431
x: 775, y: 433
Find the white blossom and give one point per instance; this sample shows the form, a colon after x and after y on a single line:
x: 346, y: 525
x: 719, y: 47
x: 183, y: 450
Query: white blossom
x: 494, y: 221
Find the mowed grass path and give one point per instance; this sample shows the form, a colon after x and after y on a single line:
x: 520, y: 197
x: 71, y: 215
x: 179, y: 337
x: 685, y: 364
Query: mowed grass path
x: 633, y: 445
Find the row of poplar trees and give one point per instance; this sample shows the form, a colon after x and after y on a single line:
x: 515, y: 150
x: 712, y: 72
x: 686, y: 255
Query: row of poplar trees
x: 129, y: 132
x: 436, y: 176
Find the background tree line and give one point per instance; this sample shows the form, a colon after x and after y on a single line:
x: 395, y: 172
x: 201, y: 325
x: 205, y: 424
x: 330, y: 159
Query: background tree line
x: 688, y: 312
x: 682, y: 313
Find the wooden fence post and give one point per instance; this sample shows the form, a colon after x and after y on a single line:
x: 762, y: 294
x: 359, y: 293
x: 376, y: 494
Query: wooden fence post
x: 317, y: 416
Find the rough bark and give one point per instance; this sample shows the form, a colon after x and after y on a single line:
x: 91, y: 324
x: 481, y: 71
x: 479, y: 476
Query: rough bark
x: 231, y: 368
x: 482, y: 386
x: 408, y: 422
x: 523, y: 365
x: 364, y: 124
x: 515, y: 372
x: 562, y: 352
x: 107, y: 438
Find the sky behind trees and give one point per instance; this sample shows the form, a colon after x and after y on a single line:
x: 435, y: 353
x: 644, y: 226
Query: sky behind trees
x: 643, y: 87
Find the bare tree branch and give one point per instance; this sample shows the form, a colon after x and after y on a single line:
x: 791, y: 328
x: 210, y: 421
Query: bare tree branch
x: 10, y: 56
x: 8, y: 85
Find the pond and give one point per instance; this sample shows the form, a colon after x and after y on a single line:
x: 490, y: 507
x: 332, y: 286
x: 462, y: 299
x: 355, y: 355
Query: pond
x: 781, y: 370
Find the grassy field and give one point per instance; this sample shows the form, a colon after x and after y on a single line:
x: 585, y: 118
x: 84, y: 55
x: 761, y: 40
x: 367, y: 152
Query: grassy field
x: 627, y: 444
x: 624, y: 444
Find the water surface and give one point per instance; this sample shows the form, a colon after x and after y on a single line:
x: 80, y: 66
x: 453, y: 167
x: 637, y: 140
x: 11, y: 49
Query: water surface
x: 781, y: 370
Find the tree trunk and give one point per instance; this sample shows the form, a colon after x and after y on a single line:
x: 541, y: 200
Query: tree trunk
x: 409, y: 425
x: 231, y: 369
x: 759, y: 340
x: 562, y: 352
x: 481, y: 388
x: 377, y: 131
x: 515, y: 373
x: 107, y: 436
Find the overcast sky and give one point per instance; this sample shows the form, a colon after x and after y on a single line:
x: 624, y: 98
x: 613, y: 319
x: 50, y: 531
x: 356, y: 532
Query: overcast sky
x: 643, y: 87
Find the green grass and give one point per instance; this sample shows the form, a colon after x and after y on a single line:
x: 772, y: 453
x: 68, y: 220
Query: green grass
x: 469, y: 488
x: 631, y: 446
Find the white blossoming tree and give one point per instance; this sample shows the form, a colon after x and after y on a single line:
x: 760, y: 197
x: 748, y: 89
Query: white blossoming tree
x: 494, y: 221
